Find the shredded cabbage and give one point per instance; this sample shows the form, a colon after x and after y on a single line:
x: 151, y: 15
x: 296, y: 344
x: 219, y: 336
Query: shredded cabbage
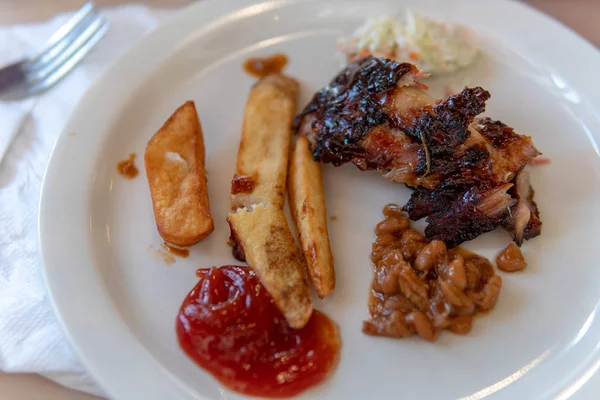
x: 435, y: 47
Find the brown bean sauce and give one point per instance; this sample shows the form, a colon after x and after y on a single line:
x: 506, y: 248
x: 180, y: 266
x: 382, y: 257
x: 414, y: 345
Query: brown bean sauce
x: 422, y: 287
x: 511, y: 259
x: 127, y: 168
x: 263, y: 66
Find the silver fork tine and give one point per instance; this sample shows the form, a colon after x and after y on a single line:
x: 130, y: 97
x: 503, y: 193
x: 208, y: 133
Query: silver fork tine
x: 77, y: 55
x: 51, y: 64
x: 55, y: 44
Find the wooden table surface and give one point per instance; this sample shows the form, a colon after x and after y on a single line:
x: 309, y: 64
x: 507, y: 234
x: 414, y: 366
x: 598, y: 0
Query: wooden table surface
x: 583, y: 16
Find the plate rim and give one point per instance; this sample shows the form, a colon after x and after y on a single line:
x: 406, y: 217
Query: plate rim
x: 217, y: 11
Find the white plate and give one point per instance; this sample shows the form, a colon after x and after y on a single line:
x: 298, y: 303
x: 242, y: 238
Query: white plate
x: 118, y: 303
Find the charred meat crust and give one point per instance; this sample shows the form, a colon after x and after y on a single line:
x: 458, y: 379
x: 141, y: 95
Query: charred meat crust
x: 424, y: 202
x: 374, y: 115
x: 462, y: 222
x: 350, y: 106
x: 445, y: 128
x: 534, y: 226
x: 498, y: 133
x: 457, y: 212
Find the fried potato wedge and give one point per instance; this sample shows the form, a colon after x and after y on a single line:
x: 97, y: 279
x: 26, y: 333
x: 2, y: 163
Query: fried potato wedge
x: 174, y: 161
x: 260, y: 233
x: 307, y: 203
x: 270, y: 248
x: 264, y: 147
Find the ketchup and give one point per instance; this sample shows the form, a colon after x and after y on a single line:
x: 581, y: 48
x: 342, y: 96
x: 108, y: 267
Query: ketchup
x: 229, y: 325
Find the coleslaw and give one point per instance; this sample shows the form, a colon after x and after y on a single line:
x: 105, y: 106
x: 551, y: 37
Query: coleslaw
x: 433, y: 46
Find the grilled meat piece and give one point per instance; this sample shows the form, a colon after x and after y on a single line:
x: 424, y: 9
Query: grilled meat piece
x: 462, y: 210
x: 524, y: 220
x: 376, y: 115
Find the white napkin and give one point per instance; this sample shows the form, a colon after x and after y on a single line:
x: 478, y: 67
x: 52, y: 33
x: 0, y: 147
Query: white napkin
x: 31, y: 339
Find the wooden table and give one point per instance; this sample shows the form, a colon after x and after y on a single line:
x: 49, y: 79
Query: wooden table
x: 582, y: 16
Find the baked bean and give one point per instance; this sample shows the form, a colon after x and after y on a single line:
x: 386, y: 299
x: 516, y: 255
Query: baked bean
x: 422, y: 287
x: 468, y: 309
x: 391, y: 226
x: 414, y: 289
x: 484, y: 268
x: 422, y: 325
x: 411, y: 242
x: 385, y: 240
x: 430, y: 255
x: 478, y: 270
x: 393, y: 210
x: 455, y: 273
x: 398, y: 302
x: 486, y: 298
x: 454, y: 296
x: 377, y: 254
x: 511, y: 259
x: 400, y: 328
x: 376, y: 302
x: 472, y: 274
x: 461, y: 325
x: 387, y: 280
x: 441, y: 321
x: 392, y: 326
x: 393, y: 257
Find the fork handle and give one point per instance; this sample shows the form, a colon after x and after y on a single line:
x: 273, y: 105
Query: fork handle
x: 11, y: 75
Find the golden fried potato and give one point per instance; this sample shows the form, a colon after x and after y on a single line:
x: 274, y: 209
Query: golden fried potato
x: 307, y: 203
x: 174, y: 161
x: 270, y: 249
x: 263, y: 153
x: 259, y: 231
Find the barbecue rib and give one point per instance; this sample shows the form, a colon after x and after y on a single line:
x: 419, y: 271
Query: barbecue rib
x: 466, y: 170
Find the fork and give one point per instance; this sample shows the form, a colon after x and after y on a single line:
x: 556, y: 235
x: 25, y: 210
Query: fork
x: 65, y: 48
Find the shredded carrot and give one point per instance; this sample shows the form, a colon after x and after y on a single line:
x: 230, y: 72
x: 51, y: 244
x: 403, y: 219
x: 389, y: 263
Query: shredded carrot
x: 413, y: 55
x: 363, y: 53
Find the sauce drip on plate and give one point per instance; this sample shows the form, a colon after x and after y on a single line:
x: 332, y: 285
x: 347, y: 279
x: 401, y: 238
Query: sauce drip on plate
x: 263, y: 66
x: 230, y: 326
x: 127, y: 169
x: 177, y: 251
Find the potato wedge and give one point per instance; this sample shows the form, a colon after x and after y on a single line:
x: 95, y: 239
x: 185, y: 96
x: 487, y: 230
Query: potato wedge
x: 260, y: 233
x: 174, y: 161
x: 264, y: 147
x: 307, y: 203
x: 270, y: 249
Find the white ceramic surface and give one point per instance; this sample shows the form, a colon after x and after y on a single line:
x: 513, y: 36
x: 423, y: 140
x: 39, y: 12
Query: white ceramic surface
x: 118, y: 302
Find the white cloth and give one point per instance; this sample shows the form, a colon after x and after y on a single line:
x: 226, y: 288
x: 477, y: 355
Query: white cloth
x: 31, y: 339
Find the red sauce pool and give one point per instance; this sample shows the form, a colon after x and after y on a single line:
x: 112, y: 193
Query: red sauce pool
x: 230, y: 326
